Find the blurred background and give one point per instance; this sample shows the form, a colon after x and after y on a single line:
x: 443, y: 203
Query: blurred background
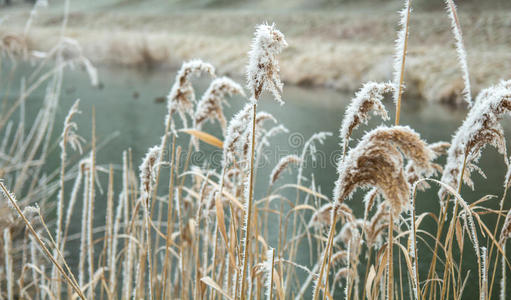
x: 333, y: 43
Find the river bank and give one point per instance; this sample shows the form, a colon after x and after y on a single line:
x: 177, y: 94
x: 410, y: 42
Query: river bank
x: 337, y: 49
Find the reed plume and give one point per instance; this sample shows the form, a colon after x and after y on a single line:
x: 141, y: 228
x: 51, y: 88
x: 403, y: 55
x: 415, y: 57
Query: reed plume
x: 368, y: 98
x: 234, y: 138
x: 378, y: 161
x: 181, y: 97
x: 262, y: 74
x: 70, y: 137
x: 147, y: 176
x: 281, y: 167
x: 374, y: 228
x: 414, y: 174
x: 150, y: 161
x: 263, y: 68
x: 480, y: 128
x: 210, y: 106
x: 322, y: 216
x: 460, y: 48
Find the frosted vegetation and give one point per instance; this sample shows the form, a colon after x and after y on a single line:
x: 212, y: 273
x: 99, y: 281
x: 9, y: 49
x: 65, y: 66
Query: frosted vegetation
x: 202, y: 233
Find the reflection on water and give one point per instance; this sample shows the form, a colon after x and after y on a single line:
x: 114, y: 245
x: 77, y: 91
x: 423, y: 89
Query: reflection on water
x: 132, y: 104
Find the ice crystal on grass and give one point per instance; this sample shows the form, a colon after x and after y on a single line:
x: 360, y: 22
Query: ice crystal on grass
x: 263, y: 68
x: 400, y: 48
x: 268, y: 266
x: 480, y: 128
x: 69, y: 132
x: 368, y: 98
x: 282, y: 165
x: 460, y: 48
x: 151, y: 159
x: 182, y: 95
x: 210, y: 104
x: 235, y: 130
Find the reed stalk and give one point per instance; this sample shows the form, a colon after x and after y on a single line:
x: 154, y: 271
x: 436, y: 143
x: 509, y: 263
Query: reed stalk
x: 330, y: 240
x: 390, y: 269
x: 249, y: 204
x: 46, y: 251
x: 166, y: 262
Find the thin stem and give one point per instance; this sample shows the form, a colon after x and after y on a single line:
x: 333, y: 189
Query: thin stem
x: 325, y: 256
x: 450, y: 232
x: 169, y: 212
x: 249, y: 204
x: 91, y: 205
x: 390, y: 243
x: 369, y: 255
x: 414, y: 243
x: 495, y: 234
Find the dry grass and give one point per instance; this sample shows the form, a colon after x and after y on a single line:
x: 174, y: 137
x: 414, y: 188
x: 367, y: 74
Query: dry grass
x: 205, y: 235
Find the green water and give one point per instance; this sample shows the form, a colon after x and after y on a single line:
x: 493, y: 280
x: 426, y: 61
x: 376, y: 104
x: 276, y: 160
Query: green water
x: 126, y: 107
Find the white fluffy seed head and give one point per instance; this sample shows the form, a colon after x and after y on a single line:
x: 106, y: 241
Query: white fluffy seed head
x: 150, y: 160
x: 378, y: 160
x: 69, y: 135
x: 480, y: 128
x: 263, y: 68
x: 181, y: 97
x: 368, y: 98
x: 210, y: 106
x: 282, y: 165
x: 234, y: 136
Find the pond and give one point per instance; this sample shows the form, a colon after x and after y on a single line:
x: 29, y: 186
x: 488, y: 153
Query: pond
x: 130, y: 108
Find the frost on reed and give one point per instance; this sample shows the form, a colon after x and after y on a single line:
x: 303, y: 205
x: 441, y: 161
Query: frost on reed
x: 182, y: 95
x: 414, y: 174
x: 374, y: 228
x: 70, y: 137
x: 484, y: 272
x: 282, y: 165
x: 210, y: 105
x: 69, y: 132
x: 480, y: 128
x: 150, y: 160
x: 268, y: 267
x: 262, y: 74
x: 378, y: 161
x: 263, y: 68
x: 460, y: 48
x: 368, y: 98
x: 400, y: 51
x: 234, y: 138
